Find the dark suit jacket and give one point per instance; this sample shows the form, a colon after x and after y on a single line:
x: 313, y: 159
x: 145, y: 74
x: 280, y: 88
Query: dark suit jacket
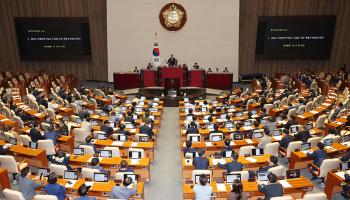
x: 56, y: 190
x: 200, y: 163
x: 108, y: 130
x: 189, y: 150
x: 35, y: 135
x: 264, y: 169
x: 129, y: 119
x: 146, y: 130
x: 192, y: 130
x: 272, y: 190
x: 345, y: 158
x: 231, y: 166
x: 302, y: 136
x: 318, y: 156
x: 286, y: 140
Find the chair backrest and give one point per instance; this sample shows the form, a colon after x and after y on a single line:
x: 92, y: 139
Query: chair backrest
x: 74, y: 108
x: 115, y: 151
x: 292, y: 112
x: 268, y: 107
x: 80, y: 134
x: 25, y: 139
x: 51, y: 114
x: 12, y: 194
x: 45, y: 197
x: 19, y: 122
x: 9, y: 135
x: 320, y: 123
x: 301, y: 110
x: 246, y: 150
x: 308, y: 107
x: 315, y: 196
x: 293, y: 146
x: 88, y: 173
x: 278, y: 171
x: 48, y: 146
x: 313, y: 141
x: 272, y: 148
x: 9, y: 163
x: 199, y: 172
x: 88, y: 150
x: 58, y: 169
x: 328, y: 165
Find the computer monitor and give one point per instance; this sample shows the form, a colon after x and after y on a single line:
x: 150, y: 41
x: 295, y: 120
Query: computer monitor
x: 247, y: 123
x: 134, y: 177
x: 309, y: 126
x: 253, y: 112
x: 106, y: 153
x: 90, y: 112
x: 195, y: 138
x: 134, y: 155
x: 12, y: 140
x: 94, y: 123
x: 78, y: 151
x: 278, y: 119
x: 210, y: 126
x: 189, y: 118
x: 294, y: 129
x: 258, y: 134
x: 197, y: 176
x: 344, y: 165
x: 206, y: 117
x: 43, y: 171
x: 144, y: 139
x: 229, y: 125
x: 276, y: 132
x: 204, y: 109
x: 216, y: 138
x: 138, y: 109
x: 121, y: 137
x: 103, y: 114
x: 71, y: 175
x: 293, y: 173
x: 231, y: 178
x: 223, y: 116
x: 112, y: 124
x: 129, y: 125
x: 78, y: 121
x: 33, y: 145
x: 306, y: 146
x: 239, y: 114
x: 238, y: 136
x: 263, y: 121
x: 135, y: 117
x: 101, y: 136
x: 346, y: 138
x: 100, y: 177
x: 328, y: 142
x: 151, y: 117
x: 258, y: 152
x: 119, y: 115
x: 262, y: 176
x: 227, y: 154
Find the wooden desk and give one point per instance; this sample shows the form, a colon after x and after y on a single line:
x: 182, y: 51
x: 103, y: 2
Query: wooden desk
x: 299, y: 185
x: 6, y: 122
x: 299, y: 160
x: 34, y: 157
x: 66, y: 143
x: 4, y: 179
x: 332, y: 185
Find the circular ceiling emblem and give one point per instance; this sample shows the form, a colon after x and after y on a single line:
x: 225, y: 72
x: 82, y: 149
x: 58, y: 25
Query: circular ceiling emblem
x: 172, y: 16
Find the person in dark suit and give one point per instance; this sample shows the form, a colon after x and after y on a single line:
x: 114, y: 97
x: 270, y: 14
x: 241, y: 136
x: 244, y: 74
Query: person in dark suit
x: 274, y: 163
x: 95, y: 164
x: 234, y: 165
x: 84, y: 113
x: 216, y: 128
x: 129, y: 118
x: 52, y: 188
x: 195, y: 66
x: 106, y: 128
x: 124, y: 167
x: 147, y: 129
x: 302, y: 135
x: 122, y: 130
x: 51, y: 135
x: 88, y: 142
x: 274, y: 189
x: 62, y: 128
x: 83, y: 190
x: 27, y: 185
x: 227, y: 146
x: 188, y: 148
x: 172, y: 61
x: 201, y: 162
x: 286, y: 139
x: 35, y: 134
x: 60, y: 159
x: 192, y: 128
x: 318, y: 157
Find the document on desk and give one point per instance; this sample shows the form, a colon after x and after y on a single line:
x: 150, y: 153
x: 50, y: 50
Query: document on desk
x: 330, y: 148
x: 134, y: 144
x: 278, y: 137
x: 217, y: 161
x: 249, y: 141
x: 133, y: 130
x: 326, y: 104
x: 37, y: 114
x: 285, y: 184
x: 117, y: 143
x: 89, y: 183
x: 232, y: 143
x: 134, y: 161
x: 314, y: 112
x: 184, y: 131
x: 208, y: 144
x: 346, y: 143
x: 221, y: 187
x: 71, y: 184
x: 205, y: 121
x: 250, y: 159
x: 219, y: 120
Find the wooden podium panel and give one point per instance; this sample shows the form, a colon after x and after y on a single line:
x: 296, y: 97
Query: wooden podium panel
x: 149, y: 78
x: 173, y: 73
x: 196, y: 78
x: 127, y: 80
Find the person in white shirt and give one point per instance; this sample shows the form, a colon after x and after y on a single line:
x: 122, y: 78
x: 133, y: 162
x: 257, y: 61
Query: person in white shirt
x: 203, y: 191
x: 266, y: 139
x: 86, y: 124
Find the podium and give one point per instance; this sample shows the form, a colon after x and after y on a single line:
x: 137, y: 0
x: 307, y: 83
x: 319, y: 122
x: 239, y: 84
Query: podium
x: 172, y: 73
x: 220, y: 81
x: 196, y: 78
x: 149, y: 78
x: 128, y: 80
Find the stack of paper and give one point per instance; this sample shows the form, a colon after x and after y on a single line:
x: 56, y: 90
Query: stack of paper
x: 217, y: 161
x: 314, y: 112
x: 89, y: 183
x: 117, y: 143
x: 221, y: 187
x: 232, y: 143
x: 250, y: 159
x: 71, y: 184
x: 285, y: 184
x: 249, y: 141
x: 134, y: 161
x: 134, y: 144
x: 208, y: 144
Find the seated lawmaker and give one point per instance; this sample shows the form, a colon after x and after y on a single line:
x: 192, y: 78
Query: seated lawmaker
x: 129, y: 118
x: 273, y: 189
x: 106, y: 128
x: 26, y: 185
x: 55, y: 189
x: 84, y: 113
x: 273, y: 163
x: 51, y: 135
x: 303, y: 135
x: 266, y: 139
x: 286, y: 139
x: 216, y: 129
x: 188, y: 148
x: 192, y: 128
x: 234, y: 165
x: 146, y: 129
x: 227, y: 146
x: 200, y: 162
x: 62, y: 128
x: 122, y: 130
x: 318, y: 157
x: 123, y: 191
x: 60, y: 159
x: 82, y: 191
x: 95, y: 164
x: 124, y: 167
x: 88, y: 142
x: 35, y: 134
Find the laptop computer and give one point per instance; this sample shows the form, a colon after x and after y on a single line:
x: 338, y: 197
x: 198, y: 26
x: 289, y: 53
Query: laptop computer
x: 78, y: 151
x: 293, y: 173
x: 306, y: 146
x: 144, y: 139
x: 258, y: 134
x: 262, y: 178
x: 276, y: 132
x: 134, y: 177
x: 100, y: 177
x: 231, y: 178
x: 238, y: 136
x: 106, y: 153
x: 328, y: 142
x: 258, y: 152
x: 134, y: 155
x: 71, y: 175
x: 227, y: 154
x: 216, y: 138
x: 13, y: 141
x: 43, y: 172
x: 33, y: 145
x: 195, y: 138
x: 121, y: 137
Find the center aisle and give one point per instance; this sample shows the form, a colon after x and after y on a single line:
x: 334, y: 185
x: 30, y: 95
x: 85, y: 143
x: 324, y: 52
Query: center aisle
x: 166, y: 169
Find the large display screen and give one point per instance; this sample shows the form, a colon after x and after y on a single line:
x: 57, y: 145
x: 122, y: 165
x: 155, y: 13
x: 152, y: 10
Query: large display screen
x: 295, y: 37
x: 53, y: 38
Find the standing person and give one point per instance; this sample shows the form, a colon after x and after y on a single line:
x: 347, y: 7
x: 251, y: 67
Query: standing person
x: 172, y: 61
x: 27, y: 185
x: 203, y: 191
